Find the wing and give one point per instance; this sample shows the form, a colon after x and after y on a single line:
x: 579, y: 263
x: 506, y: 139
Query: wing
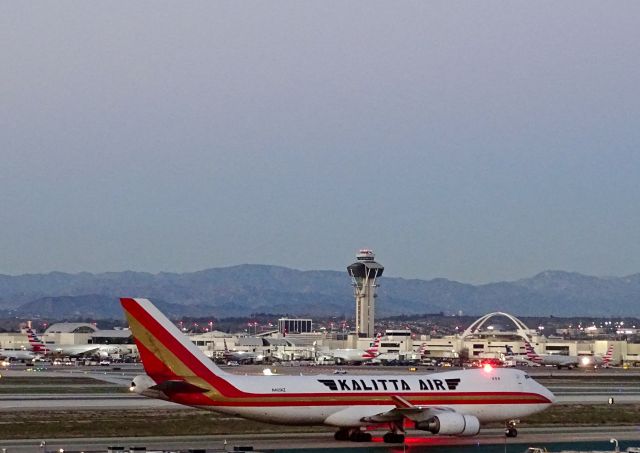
x: 437, y: 420
x: 405, y: 409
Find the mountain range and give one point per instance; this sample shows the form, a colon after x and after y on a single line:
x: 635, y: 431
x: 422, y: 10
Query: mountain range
x: 246, y: 289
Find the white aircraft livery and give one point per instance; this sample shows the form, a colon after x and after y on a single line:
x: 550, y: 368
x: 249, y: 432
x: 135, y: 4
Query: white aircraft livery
x: 17, y: 354
x: 569, y: 361
x: 448, y: 403
x: 37, y: 345
x: 357, y: 356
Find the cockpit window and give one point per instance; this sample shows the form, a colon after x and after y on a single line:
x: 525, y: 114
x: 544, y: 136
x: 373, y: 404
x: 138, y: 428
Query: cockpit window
x: 526, y: 376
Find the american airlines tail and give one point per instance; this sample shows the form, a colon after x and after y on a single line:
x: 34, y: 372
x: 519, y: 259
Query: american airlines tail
x: 606, y: 360
x: 447, y: 403
x: 531, y: 353
x: 373, y: 350
x: 36, y: 343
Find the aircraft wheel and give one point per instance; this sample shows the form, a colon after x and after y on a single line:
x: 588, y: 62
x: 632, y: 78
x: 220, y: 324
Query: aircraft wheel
x: 511, y: 432
x: 341, y: 434
x: 359, y: 436
x: 393, y: 438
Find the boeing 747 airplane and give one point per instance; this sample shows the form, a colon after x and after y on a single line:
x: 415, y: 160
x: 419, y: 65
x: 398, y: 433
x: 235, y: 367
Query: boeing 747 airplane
x: 449, y: 403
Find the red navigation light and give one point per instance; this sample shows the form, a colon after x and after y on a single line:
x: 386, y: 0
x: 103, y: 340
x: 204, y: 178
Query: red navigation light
x: 487, y: 368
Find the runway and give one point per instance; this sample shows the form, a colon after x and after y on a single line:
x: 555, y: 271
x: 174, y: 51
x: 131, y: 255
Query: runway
x: 313, y: 441
x: 570, y: 387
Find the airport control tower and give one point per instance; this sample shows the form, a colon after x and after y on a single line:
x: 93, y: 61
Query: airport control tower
x: 364, y: 274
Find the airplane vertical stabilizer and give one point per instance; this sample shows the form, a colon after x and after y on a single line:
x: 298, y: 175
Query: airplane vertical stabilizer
x: 166, y: 353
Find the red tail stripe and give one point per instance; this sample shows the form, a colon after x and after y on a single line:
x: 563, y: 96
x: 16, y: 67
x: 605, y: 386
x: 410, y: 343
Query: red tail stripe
x: 171, y: 343
x: 153, y: 365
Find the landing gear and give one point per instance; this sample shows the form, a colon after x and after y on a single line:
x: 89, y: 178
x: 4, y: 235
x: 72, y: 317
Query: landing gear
x: 510, y: 430
x: 395, y: 435
x: 393, y: 438
x: 352, y: 434
x: 359, y: 436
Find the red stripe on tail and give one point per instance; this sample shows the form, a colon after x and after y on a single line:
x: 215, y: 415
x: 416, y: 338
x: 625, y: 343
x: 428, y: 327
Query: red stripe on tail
x: 168, y: 341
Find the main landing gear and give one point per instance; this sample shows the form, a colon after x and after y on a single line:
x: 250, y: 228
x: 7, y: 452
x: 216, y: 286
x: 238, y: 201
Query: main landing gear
x: 395, y: 435
x: 352, y: 434
x: 393, y: 438
x: 510, y: 429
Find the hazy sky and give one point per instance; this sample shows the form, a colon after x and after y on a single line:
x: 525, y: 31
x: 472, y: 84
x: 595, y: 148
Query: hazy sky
x: 476, y: 141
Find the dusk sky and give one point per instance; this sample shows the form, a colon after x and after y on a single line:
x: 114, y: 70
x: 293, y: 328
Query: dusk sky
x: 476, y: 141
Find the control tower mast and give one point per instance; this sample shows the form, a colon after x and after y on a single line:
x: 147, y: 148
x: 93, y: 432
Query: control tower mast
x: 364, y: 273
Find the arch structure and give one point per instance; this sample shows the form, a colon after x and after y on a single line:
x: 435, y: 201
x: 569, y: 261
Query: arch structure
x: 476, y: 328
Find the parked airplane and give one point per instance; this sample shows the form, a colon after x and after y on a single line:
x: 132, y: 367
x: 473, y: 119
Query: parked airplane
x: 424, y: 357
x: 240, y: 356
x: 568, y: 361
x: 448, y: 403
x: 38, y: 346
x: 17, y: 354
x: 520, y: 359
x: 357, y: 356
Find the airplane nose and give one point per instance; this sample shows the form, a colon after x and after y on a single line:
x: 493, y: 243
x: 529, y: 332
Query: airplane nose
x: 541, y: 390
x: 548, y: 394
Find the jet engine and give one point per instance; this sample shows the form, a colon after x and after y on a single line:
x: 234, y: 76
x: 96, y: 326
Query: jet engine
x: 451, y: 423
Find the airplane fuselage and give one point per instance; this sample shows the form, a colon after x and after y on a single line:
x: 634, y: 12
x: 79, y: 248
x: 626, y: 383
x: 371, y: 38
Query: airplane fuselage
x: 347, y: 400
x: 17, y: 354
x: 351, y: 355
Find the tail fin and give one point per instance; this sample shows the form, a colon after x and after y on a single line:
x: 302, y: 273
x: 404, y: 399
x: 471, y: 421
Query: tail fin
x: 36, y: 343
x: 509, y: 350
x: 373, y: 350
x: 608, y: 356
x: 531, y: 353
x: 423, y: 349
x: 166, y: 353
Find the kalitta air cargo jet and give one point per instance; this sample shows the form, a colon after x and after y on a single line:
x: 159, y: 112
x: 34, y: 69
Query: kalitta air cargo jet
x: 449, y: 403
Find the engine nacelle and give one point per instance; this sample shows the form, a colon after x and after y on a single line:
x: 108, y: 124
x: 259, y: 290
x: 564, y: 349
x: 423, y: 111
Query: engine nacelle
x: 452, y: 424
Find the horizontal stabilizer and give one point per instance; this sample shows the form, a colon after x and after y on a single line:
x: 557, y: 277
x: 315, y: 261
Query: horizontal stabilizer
x: 177, y: 387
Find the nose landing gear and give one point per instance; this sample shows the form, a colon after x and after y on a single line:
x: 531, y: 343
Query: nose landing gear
x: 510, y: 429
